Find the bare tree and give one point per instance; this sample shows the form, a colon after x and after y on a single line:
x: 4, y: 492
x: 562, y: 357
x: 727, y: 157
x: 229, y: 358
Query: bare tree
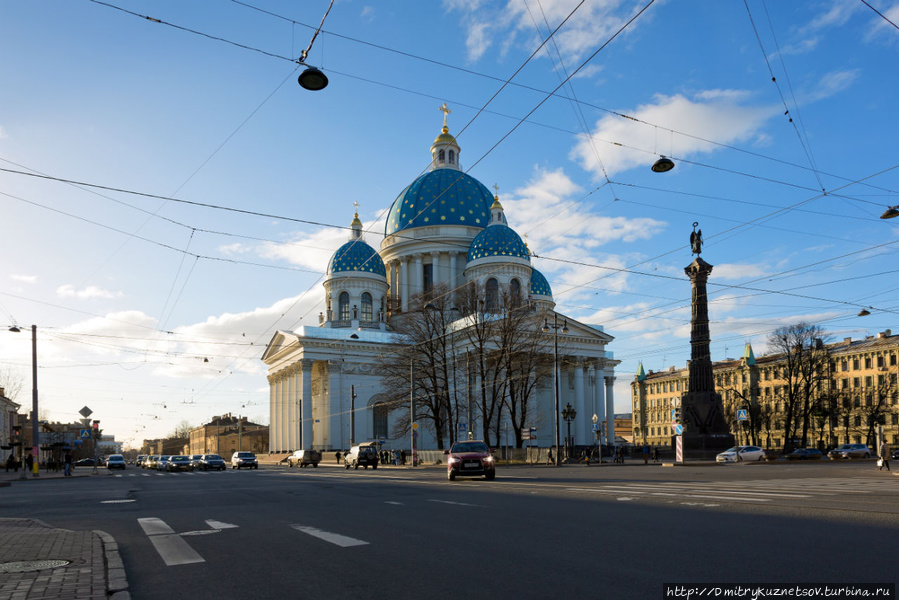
x: 805, y: 360
x: 182, y: 430
x: 12, y: 381
x: 424, y: 367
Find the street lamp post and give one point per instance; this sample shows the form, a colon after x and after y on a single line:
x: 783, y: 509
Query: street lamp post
x: 555, y: 329
x: 35, y: 469
x: 569, y: 415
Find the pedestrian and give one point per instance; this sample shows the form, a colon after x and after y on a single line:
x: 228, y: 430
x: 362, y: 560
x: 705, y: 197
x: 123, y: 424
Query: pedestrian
x: 29, y: 463
x: 884, y: 456
x: 655, y: 455
x: 337, y: 456
x: 10, y: 462
x: 645, y: 454
x: 403, y: 457
x: 549, y: 457
x: 67, y: 469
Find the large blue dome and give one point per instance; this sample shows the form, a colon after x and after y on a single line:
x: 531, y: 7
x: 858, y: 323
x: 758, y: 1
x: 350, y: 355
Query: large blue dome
x: 440, y: 197
x: 539, y: 284
x: 498, y: 240
x: 356, y: 255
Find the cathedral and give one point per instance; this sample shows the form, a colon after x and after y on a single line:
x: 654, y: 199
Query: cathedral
x: 445, y: 229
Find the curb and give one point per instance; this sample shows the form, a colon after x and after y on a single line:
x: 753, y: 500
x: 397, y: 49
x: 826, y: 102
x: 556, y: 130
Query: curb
x: 116, y: 580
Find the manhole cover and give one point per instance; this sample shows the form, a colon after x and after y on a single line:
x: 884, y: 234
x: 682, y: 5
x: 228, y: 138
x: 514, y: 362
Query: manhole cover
x: 26, y: 566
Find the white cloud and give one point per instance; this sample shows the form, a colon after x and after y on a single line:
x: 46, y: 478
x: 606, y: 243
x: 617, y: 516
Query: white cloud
x: 368, y: 13
x: 836, y: 15
x: 592, y: 24
x: 24, y: 278
x: 833, y: 83
x: 719, y: 115
x: 735, y: 271
x: 68, y: 291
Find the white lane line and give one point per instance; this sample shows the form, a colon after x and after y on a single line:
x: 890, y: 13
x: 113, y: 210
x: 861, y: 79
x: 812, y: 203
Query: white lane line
x: 170, y: 546
x: 334, y: 538
x: 394, y: 503
x: 117, y: 501
x: 457, y: 503
x: 722, y: 489
x: 708, y: 497
x: 219, y: 524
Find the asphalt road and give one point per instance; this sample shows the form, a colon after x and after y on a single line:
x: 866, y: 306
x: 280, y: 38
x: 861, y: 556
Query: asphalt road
x: 536, y: 532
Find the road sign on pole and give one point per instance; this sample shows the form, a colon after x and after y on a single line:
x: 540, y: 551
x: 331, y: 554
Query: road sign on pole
x: 742, y: 414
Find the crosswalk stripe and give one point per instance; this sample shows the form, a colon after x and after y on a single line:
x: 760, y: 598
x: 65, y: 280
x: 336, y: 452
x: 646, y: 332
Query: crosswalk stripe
x: 334, y: 538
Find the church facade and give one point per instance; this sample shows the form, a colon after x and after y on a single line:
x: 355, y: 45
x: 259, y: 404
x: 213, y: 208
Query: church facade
x: 445, y: 229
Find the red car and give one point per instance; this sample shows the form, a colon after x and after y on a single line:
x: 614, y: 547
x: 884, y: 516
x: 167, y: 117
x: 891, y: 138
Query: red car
x: 470, y: 459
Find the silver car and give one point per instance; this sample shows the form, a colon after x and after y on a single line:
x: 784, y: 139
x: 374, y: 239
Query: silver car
x: 746, y: 454
x: 850, y: 451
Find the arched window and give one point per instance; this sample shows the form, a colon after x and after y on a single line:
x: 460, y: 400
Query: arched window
x: 515, y: 292
x: 366, y: 307
x: 379, y: 420
x: 343, y: 303
x: 441, y: 156
x: 452, y: 157
x: 492, y: 295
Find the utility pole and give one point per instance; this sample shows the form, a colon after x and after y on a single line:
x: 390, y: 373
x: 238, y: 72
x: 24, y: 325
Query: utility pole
x: 352, y: 415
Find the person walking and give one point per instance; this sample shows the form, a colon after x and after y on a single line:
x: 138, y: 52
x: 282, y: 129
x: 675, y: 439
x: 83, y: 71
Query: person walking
x: 645, y: 454
x: 337, y: 456
x: 67, y: 464
x: 884, y: 456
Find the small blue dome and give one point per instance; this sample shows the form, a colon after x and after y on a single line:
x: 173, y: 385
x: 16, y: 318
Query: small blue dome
x: 498, y: 240
x: 539, y: 284
x: 356, y: 255
x: 440, y: 197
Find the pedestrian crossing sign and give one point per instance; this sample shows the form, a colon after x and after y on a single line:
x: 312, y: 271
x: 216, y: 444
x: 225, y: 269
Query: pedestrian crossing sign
x: 742, y: 414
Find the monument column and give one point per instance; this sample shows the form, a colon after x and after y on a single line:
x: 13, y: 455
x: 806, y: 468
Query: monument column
x: 705, y: 431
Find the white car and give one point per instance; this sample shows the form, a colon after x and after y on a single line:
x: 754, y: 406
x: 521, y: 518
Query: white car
x: 746, y: 454
x: 115, y: 461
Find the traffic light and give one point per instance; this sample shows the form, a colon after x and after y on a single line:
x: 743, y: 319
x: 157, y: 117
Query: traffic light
x: 677, y: 416
x: 16, y: 435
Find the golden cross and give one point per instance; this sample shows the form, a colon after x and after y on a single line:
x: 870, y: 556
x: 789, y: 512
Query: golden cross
x: 496, y: 189
x: 445, y: 111
x: 356, y: 204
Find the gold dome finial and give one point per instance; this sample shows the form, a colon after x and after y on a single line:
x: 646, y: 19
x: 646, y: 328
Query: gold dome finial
x: 446, y: 113
x: 496, y: 203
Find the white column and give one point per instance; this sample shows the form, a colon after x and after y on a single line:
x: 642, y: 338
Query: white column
x: 338, y: 404
x: 435, y: 268
x: 394, y: 284
x: 419, y: 274
x: 272, y: 396
x: 404, y: 283
x: 276, y: 424
x: 610, y: 409
x: 451, y: 278
x: 579, y: 431
x: 293, y: 436
x: 306, y: 403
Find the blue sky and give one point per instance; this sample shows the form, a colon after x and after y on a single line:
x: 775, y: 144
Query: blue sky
x: 133, y: 293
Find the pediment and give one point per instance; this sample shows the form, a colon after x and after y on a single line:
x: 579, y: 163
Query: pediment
x: 280, y: 343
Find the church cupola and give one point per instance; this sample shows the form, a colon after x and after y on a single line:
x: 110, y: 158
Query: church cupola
x: 445, y: 150
x: 356, y: 227
x: 496, y: 212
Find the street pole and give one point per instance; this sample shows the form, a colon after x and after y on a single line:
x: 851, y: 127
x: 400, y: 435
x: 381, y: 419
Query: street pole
x: 34, y: 420
x: 468, y: 391
x: 412, y: 408
x: 352, y: 415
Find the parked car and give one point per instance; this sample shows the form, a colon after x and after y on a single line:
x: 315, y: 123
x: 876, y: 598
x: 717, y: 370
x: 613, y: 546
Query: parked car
x: 850, y: 451
x: 195, y: 460
x: 895, y: 454
x: 178, y: 463
x: 163, y: 458
x: 211, y: 461
x: 361, y: 455
x: 115, y: 461
x: 470, y: 459
x: 301, y: 458
x: 150, y: 461
x: 746, y: 454
x: 240, y: 460
x: 85, y: 462
x: 805, y: 454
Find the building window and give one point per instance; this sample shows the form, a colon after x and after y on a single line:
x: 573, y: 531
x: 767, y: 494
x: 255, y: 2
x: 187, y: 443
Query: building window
x: 845, y: 384
x: 893, y: 360
x: 379, y: 420
x: 858, y: 421
x: 452, y: 157
x: 845, y: 365
x: 855, y: 364
x: 428, y: 277
x: 441, y: 156
x: 868, y: 381
x: 880, y: 361
x: 366, y: 307
x: 492, y: 295
x: 867, y: 362
x: 343, y: 307
x: 856, y: 382
x: 515, y: 292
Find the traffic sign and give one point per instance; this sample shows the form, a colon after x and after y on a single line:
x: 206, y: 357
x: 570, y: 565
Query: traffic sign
x: 678, y: 429
x: 463, y: 427
x: 742, y: 414
x: 85, y: 434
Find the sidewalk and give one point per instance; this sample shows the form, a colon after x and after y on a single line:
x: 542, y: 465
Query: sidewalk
x: 38, y: 561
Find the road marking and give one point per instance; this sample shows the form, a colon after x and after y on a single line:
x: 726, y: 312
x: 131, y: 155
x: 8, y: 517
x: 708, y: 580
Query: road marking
x: 219, y: 524
x: 456, y: 503
x: 624, y: 499
x: 394, y: 503
x: 334, y: 538
x: 116, y: 501
x: 170, y: 546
